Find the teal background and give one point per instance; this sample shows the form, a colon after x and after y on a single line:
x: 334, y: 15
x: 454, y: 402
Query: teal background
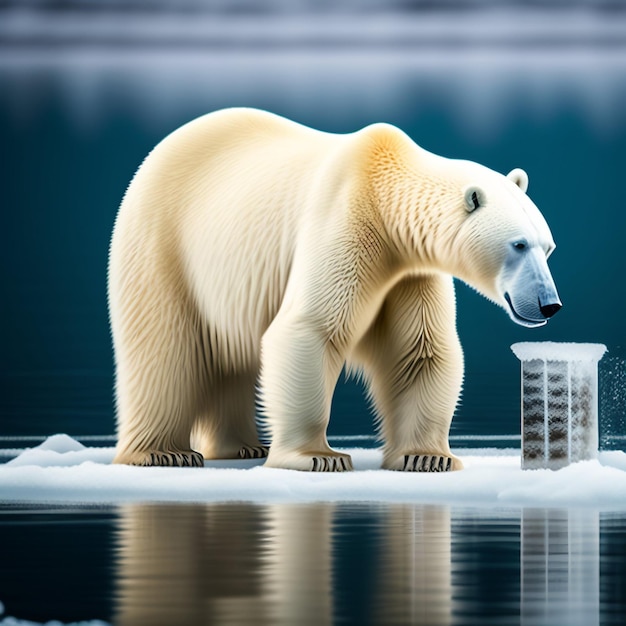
x: 77, y: 120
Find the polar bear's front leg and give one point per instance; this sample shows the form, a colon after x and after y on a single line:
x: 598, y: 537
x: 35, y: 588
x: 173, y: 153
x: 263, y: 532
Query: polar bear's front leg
x: 414, y: 363
x: 298, y: 375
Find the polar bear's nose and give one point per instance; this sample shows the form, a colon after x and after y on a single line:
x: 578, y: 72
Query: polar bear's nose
x: 548, y: 310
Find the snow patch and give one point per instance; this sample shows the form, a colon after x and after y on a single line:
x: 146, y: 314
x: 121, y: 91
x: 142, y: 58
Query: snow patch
x: 61, y: 444
x: 613, y: 458
x: 62, y: 450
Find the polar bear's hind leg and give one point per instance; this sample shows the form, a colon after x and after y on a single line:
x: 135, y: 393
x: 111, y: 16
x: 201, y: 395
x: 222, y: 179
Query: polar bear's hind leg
x: 226, y: 429
x: 157, y: 378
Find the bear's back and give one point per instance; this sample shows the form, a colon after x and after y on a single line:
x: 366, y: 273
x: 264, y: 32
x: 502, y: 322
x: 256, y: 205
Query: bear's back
x: 234, y: 133
x: 237, y: 183
x: 224, y: 197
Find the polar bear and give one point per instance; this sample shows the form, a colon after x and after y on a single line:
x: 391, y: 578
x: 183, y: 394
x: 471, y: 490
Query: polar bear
x: 251, y: 252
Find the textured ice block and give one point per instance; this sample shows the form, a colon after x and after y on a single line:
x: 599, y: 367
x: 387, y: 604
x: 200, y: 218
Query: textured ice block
x: 559, y: 402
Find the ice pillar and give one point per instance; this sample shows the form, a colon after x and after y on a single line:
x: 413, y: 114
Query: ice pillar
x: 559, y: 402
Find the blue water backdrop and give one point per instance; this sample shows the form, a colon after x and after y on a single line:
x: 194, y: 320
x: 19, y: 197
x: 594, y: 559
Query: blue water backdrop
x: 88, y: 88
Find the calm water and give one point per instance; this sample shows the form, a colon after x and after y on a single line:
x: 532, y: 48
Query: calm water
x: 313, y: 564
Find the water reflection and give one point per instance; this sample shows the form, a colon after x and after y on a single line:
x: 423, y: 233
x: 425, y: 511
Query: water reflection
x: 226, y: 564
x: 297, y: 563
x: 415, y: 585
x: 560, y: 567
x: 191, y: 565
x: 325, y: 563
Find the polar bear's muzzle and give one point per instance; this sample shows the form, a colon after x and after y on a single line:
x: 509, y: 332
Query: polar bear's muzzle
x: 530, y: 292
x: 547, y: 311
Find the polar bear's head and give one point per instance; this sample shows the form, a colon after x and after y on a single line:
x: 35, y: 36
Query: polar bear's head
x: 504, y: 245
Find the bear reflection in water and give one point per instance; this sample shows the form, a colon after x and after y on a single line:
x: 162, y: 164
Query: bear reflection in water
x: 224, y: 564
x: 243, y: 564
x: 324, y: 563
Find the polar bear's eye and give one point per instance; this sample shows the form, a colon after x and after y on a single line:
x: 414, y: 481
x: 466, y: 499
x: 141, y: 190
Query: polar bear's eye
x: 519, y: 245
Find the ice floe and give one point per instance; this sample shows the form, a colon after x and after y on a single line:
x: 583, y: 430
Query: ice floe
x: 63, y: 470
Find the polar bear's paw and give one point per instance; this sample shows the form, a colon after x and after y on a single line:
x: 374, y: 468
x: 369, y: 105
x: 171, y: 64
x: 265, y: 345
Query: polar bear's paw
x: 187, y: 458
x: 312, y: 462
x: 253, y: 452
x: 425, y: 463
x: 333, y: 463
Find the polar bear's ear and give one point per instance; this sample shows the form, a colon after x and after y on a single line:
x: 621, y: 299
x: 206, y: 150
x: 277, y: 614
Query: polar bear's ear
x: 519, y: 177
x: 474, y: 198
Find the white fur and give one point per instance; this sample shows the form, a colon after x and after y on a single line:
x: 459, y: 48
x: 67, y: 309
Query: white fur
x: 248, y: 244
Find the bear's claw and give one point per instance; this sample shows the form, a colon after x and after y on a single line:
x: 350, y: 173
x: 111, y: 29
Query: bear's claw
x: 310, y: 461
x: 426, y: 463
x: 253, y: 452
x: 331, y: 464
x: 172, y: 459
